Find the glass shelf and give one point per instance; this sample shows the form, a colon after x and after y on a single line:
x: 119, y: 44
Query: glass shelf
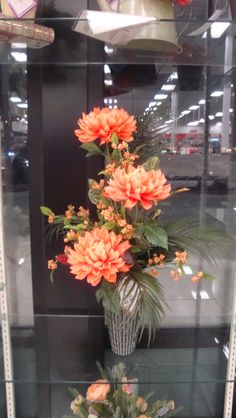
x: 73, y: 344
x: 69, y: 47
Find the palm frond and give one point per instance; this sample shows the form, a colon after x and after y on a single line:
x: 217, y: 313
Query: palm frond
x: 150, y: 304
x: 210, y: 242
x: 149, y: 139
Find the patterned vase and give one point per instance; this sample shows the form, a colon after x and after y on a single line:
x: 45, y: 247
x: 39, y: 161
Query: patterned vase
x: 123, y: 332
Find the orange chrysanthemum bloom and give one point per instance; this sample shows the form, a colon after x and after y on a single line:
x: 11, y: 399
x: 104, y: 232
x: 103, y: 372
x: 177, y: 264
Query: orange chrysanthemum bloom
x: 98, y: 254
x: 102, y: 123
x: 133, y: 185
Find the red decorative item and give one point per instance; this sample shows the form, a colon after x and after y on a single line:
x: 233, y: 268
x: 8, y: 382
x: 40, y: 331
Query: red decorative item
x: 183, y: 3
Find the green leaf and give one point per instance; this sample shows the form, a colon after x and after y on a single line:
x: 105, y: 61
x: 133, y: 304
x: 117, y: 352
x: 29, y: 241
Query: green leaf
x: 78, y: 227
x: 152, y: 163
x: 208, y: 276
x: 139, y: 231
x: 46, y: 211
x: 114, y: 139
x: 92, y: 149
x: 156, y: 236
x: 135, y: 249
x: 109, y: 225
x: 94, y: 196
x: 109, y: 297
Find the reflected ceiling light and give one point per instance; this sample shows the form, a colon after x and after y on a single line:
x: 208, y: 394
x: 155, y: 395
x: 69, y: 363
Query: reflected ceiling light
x: 21, y: 261
x: 22, y: 105
x: 194, y: 123
x: 108, y: 82
x: 173, y: 76
x: 185, y: 112
x: 107, y: 69
x: 18, y: 45
x: 219, y: 114
x: 187, y: 270
x: 147, y: 109
x: 217, y: 93
x: 159, y: 104
x: 170, y: 121
x: 15, y: 99
x: 110, y: 107
x: 217, y: 29
x: 219, y: 124
x: 168, y: 87
x: 235, y: 209
x: 151, y: 104
x: 115, y: 106
x: 202, y: 101
x: 110, y: 100
x: 211, y: 117
x: 195, y: 107
x: 115, y: 100
x: 202, y: 120
x: 19, y: 56
x: 216, y: 340
x: 231, y: 110
x: 160, y: 96
x: 155, y: 108
x: 226, y: 351
x: 105, y: 101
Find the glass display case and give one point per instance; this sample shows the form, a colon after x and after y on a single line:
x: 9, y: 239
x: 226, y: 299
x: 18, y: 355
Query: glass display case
x: 53, y: 336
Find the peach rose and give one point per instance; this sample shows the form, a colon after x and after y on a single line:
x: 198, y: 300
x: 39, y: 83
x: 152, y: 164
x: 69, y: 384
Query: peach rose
x: 98, y: 391
x: 141, y: 404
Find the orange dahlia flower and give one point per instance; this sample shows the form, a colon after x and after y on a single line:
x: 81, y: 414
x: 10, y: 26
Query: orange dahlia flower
x: 98, y: 391
x: 98, y: 254
x: 102, y: 123
x: 133, y: 185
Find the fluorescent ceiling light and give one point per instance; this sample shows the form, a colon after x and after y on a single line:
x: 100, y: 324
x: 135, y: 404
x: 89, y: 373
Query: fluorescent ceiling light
x: 168, y: 87
x: 194, y: 123
x: 110, y: 100
x: 170, y: 121
x: 185, y: 112
x: 15, y: 99
x: 211, y: 117
x: 160, y: 96
x: 107, y: 69
x: 105, y: 101
x: 219, y: 124
x: 219, y: 114
x: 217, y: 93
x: 195, y: 107
x: 22, y: 105
x: 19, y: 56
x: 202, y: 101
x: 151, y: 104
x: 115, y: 100
x: 231, y: 110
x: 202, y: 120
x: 108, y: 82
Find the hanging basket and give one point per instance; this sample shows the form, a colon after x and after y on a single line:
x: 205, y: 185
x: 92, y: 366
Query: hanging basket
x: 123, y: 332
x: 17, y: 8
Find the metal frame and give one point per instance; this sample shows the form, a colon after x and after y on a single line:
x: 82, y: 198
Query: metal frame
x: 6, y: 330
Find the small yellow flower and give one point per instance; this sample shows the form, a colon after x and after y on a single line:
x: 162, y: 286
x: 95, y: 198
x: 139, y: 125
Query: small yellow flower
x: 52, y: 265
x: 51, y: 218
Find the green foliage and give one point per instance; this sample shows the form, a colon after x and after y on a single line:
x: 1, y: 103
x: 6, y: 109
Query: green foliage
x: 107, y: 294
x: 155, y: 235
x: 46, y: 211
x: 152, y: 163
x: 151, y: 301
x: 92, y: 149
x: 94, y: 196
x: 209, y: 241
x: 109, y: 226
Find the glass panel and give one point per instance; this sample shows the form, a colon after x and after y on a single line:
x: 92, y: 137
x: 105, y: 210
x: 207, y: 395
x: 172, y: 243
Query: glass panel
x: 15, y: 171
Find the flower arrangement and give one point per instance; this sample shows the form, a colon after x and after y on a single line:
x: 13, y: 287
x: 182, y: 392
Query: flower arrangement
x: 117, y: 399
x: 122, y: 252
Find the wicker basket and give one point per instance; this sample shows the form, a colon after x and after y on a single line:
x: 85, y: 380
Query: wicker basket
x: 123, y: 332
